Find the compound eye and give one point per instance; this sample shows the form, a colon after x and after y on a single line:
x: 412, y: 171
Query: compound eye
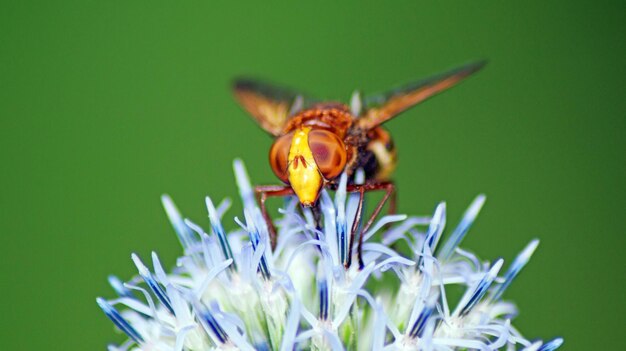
x: 279, y: 156
x: 329, y: 153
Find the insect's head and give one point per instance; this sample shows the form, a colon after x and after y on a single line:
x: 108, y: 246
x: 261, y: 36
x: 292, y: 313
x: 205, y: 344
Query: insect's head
x: 306, y: 158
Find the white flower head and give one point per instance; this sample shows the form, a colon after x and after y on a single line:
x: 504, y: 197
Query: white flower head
x: 231, y: 291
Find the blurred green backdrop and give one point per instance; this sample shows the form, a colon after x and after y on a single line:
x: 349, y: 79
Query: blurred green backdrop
x: 105, y: 105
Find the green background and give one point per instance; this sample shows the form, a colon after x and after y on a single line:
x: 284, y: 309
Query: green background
x: 105, y: 105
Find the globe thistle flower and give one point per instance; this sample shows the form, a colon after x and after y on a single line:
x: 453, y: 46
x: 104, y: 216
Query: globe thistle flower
x: 231, y: 291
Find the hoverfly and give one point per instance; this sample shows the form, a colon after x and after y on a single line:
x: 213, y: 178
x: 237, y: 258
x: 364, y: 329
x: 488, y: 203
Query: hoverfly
x: 315, y: 142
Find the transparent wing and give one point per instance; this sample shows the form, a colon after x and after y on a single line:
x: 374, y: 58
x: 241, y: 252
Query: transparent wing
x: 380, y: 108
x: 270, y: 105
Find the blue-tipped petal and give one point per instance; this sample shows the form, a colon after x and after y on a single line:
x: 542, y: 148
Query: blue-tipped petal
x: 255, y: 240
x: 182, y: 231
x: 158, y: 269
x: 459, y: 232
x: 342, y: 225
x: 119, y: 321
x: 243, y: 183
x: 435, y: 229
x: 154, y: 286
x: 437, y: 224
x: 119, y: 287
x: 218, y: 229
x: 223, y: 207
x: 474, y: 295
x: 322, y: 288
x: 323, y: 291
x: 517, y: 265
x: 552, y: 345
x: 421, y: 322
x: 210, y: 324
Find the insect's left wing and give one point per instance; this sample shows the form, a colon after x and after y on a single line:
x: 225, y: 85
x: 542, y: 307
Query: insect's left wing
x: 270, y: 105
x: 380, y: 108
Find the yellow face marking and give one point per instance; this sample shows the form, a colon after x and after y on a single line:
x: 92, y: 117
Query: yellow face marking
x: 304, y: 176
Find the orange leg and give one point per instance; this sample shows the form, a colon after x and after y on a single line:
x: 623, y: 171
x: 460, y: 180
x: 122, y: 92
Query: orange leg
x: 262, y: 193
x: 389, y: 189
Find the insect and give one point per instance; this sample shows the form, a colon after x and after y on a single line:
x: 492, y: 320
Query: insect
x: 316, y: 141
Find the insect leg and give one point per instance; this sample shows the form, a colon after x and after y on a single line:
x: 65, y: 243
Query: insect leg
x: 393, y: 201
x: 263, y: 192
x: 389, y: 189
x: 393, y: 205
x: 355, y: 224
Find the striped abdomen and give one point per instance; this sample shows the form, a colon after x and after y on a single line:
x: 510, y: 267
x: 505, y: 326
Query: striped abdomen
x: 375, y: 154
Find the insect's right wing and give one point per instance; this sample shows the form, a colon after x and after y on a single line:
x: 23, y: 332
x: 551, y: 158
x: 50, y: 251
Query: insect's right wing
x: 380, y: 108
x: 270, y: 105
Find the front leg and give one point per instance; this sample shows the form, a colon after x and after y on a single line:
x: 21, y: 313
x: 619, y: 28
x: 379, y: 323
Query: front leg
x: 389, y: 189
x: 262, y: 193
